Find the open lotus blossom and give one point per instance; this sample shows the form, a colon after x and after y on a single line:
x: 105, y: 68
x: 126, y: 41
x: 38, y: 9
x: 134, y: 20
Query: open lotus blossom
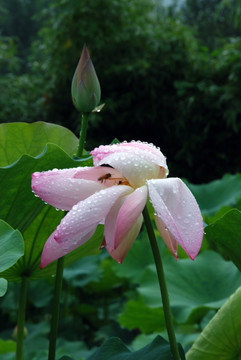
x: 114, y: 193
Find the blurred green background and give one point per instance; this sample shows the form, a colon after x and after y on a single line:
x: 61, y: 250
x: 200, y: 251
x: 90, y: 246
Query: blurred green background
x: 170, y: 74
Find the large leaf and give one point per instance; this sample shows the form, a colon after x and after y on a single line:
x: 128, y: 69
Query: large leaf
x: 213, y: 196
x: 12, y: 248
x: 3, y: 286
x: 19, y: 207
x: 30, y: 264
x: 71, y: 350
x: 115, y: 349
x: 17, y: 139
x: 138, y: 315
x: 221, y: 338
x: 191, y: 285
x: 11, y: 244
x: 22, y: 210
x: 225, y: 234
x: 36, y: 345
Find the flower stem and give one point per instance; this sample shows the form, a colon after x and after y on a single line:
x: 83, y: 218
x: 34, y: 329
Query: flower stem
x: 83, y: 132
x: 55, y: 309
x: 21, y: 318
x: 162, y: 284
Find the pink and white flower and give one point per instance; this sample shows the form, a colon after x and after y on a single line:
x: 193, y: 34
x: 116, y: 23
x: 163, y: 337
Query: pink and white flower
x: 114, y: 193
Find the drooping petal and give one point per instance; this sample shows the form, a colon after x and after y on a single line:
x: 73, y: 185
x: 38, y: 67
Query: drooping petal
x: 129, y: 213
x: 65, y: 188
x: 53, y: 251
x: 121, y: 251
x: 167, y: 236
x: 122, y: 217
x: 178, y: 210
x: 86, y: 215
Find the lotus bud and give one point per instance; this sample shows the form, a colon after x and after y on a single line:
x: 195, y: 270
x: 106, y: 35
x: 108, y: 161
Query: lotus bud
x: 85, y: 88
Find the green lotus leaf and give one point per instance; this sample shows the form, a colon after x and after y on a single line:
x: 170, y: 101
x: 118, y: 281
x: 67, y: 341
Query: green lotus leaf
x: 225, y: 235
x: 3, y: 286
x: 115, y: 349
x: 213, y: 196
x: 12, y: 248
x: 221, y: 337
x: 11, y: 244
x: 138, y: 315
x: 17, y: 139
x: 191, y: 285
x: 36, y: 220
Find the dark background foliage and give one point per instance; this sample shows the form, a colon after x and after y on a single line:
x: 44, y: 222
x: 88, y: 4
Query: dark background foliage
x: 170, y: 76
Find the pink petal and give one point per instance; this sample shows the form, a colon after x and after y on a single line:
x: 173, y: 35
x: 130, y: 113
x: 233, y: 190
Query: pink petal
x: 142, y: 150
x: 121, y: 220
x: 53, y: 251
x: 65, y: 188
x: 121, y: 251
x: 167, y: 236
x: 178, y: 210
x: 86, y: 215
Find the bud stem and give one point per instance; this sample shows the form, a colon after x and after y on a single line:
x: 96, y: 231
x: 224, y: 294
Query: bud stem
x: 83, y: 132
x: 162, y: 284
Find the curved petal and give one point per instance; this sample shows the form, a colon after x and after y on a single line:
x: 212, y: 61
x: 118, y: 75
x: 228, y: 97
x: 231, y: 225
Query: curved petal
x: 146, y: 151
x: 53, y: 251
x: 86, y: 215
x: 121, y: 251
x: 123, y: 216
x: 133, y: 167
x: 178, y: 210
x: 65, y: 193
x: 65, y: 188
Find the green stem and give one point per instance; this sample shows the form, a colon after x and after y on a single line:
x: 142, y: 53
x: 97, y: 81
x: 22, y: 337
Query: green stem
x: 83, y: 132
x: 55, y: 309
x: 21, y: 318
x: 162, y: 284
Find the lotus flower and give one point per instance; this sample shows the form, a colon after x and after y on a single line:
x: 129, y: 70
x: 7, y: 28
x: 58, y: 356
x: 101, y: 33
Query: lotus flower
x: 114, y: 192
x: 85, y: 88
